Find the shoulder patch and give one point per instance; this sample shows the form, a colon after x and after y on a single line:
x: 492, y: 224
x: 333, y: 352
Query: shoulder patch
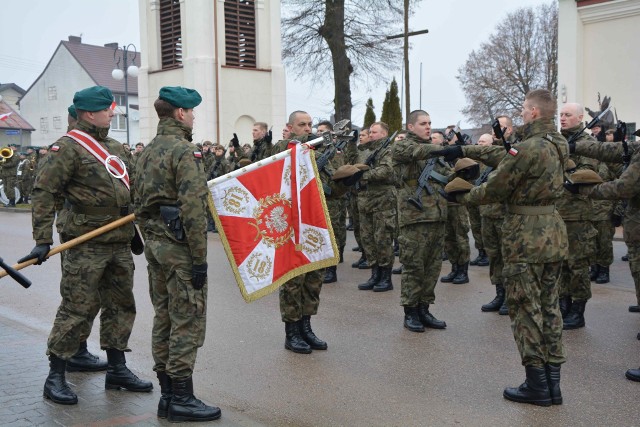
x: 55, y: 148
x: 197, y: 154
x: 513, y: 151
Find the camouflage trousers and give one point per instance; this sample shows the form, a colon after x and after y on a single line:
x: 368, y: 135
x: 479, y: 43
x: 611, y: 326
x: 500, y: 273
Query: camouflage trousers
x: 421, y: 258
x: 492, y: 239
x: 475, y: 221
x: 355, y: 216
x: 94, y: 276
x: 634, y: 265
x: 338, y: 216
x: 377, y: 230
x: 456, y: 238
x: 300, y: 296
x: 9, y: 183
x: 574, y: 277
x: 604, y: 242
x: 180, y: 320
x: 24, y: 186
x: 536, y: 322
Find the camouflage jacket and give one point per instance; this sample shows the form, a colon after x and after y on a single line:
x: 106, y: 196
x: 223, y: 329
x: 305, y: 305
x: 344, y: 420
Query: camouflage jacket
x: 409, y: 158
x: 532, y: 174
x: 70, y: 171
x: 576, y: 207
x: 603, y: 209
x: 377, y: 185
x: 170, y: 172
x: 218, y: 167
x: 625, y: 187
x: 261, y: 150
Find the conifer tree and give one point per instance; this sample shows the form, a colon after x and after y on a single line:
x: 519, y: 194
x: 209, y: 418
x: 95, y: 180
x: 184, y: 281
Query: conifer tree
x: 391, y: 113
x: 369, y: 114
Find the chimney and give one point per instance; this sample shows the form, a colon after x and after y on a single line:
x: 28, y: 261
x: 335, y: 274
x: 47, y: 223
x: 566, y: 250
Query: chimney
x: 111, y: 45
x: 75, y: 39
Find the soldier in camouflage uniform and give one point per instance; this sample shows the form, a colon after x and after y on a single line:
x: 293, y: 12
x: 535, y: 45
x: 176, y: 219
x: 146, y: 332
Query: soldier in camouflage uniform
x: 377, y: 208
x: 575, y: 210
x: 421, y: 232
x: 300, y: 296
x: 351, y: 157
x: 262, y: 145
x: 98, y: 274
x: 456, y: 244
x: 171, y: 203
x: 336, y: 207
x: 529, y: 179
x: 623, y: 188
x: 9, y: 175
x: 603, y: 220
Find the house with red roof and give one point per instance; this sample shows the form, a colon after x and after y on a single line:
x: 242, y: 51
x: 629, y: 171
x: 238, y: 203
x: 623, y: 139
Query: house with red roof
x: 74, y: 66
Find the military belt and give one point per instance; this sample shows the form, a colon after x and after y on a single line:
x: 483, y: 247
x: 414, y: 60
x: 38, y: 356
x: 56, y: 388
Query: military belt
x: 531, y: 210
x: 101, y: 210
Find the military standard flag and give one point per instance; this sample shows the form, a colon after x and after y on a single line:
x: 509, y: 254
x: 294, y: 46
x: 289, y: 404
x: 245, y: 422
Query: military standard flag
x: 273, y: 221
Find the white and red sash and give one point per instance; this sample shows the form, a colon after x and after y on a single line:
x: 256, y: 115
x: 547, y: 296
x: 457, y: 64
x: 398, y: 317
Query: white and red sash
x: 114, y: 165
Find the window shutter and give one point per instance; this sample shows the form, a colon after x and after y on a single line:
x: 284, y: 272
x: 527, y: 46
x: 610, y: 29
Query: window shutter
x: 240, y: 33
x: 170, y: 34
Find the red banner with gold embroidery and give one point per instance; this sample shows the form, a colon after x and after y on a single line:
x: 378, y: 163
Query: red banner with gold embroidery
x: 273, y: 222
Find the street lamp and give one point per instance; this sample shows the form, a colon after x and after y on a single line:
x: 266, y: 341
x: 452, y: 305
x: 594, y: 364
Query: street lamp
x: 123, y: 73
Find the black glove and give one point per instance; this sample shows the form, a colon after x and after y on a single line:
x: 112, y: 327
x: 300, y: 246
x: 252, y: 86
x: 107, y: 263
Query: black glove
x: 621, y: 132
x: 450, y: 153
x: 448, y: 197
x: 353, y: 179
x: 268, y: 137
x: 40, y: 252
x: 572, y: 188
x: 572, y: 147
x: 235, y: 141
x: 199, y: 276
x: 616, y: 220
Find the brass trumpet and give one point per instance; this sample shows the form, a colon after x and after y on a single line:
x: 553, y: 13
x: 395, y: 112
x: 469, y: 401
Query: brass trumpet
x: 6, y: 153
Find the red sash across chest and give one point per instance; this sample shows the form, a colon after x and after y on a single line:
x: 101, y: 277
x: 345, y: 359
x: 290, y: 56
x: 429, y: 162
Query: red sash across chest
x: 114, y: 165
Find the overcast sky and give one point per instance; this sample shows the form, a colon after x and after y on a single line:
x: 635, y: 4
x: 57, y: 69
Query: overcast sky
x: 32, y: 29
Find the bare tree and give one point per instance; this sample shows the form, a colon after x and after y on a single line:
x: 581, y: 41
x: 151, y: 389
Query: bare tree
x: 343, y: 39
x: 521, y: 55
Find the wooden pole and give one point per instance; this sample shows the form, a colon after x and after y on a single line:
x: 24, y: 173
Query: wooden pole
x: 74, y: 242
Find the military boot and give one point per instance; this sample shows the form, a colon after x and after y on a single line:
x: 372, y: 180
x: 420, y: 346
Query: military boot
x: 497, y: 301
x: 483, y: 258
x: 553, y: 379
x: 350, y: 225
x: 166, y: 394
x: 449, y: 277
x: 633, y: 374
x: 412, y: 319
x: 85, y: 361
x: 396, y: 247
x: 341, y: 254
x: 56, y: 387
x: 534, y: 390
x: 603, y: 275
x: 12, y: 203
x: 428, y: 319
x: 634, y: 309
x: 330, y: 275
x: 385, y: 280
x: 356, y: 249
x: 358, y: 262
x: 504, y: 308
x: 575, y: 318
x: 565, y: 306
x: 19, y: 201
x: 462, y: 275
x: 593, y: 272
x: 294, y: 340
x: 373, y: 280
x: 120, y: 377
x: 625, y: 257
x: 364, y: 265
x: 184, y: 406
x: 309, y: 337
x: 397, y: 270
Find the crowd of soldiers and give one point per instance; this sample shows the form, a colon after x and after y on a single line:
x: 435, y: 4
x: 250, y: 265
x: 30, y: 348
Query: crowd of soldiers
x: 411, y: 191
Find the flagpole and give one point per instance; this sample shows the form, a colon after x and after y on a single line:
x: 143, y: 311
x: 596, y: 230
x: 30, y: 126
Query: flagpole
x: 256, y: 165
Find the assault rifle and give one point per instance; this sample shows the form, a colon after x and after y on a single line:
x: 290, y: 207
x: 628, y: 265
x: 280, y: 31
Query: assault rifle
x: 373, y: 156
x: 423, y: 182
x: 498, y: 131
x: 483, y: 178
x: 335, y: 141
x: 621, y: 134
x: 589, y: 125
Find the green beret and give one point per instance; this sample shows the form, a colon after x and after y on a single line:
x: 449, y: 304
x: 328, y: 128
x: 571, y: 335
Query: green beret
x: 95, y: 98
x: 72, y: 111
x: 180, y: 97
